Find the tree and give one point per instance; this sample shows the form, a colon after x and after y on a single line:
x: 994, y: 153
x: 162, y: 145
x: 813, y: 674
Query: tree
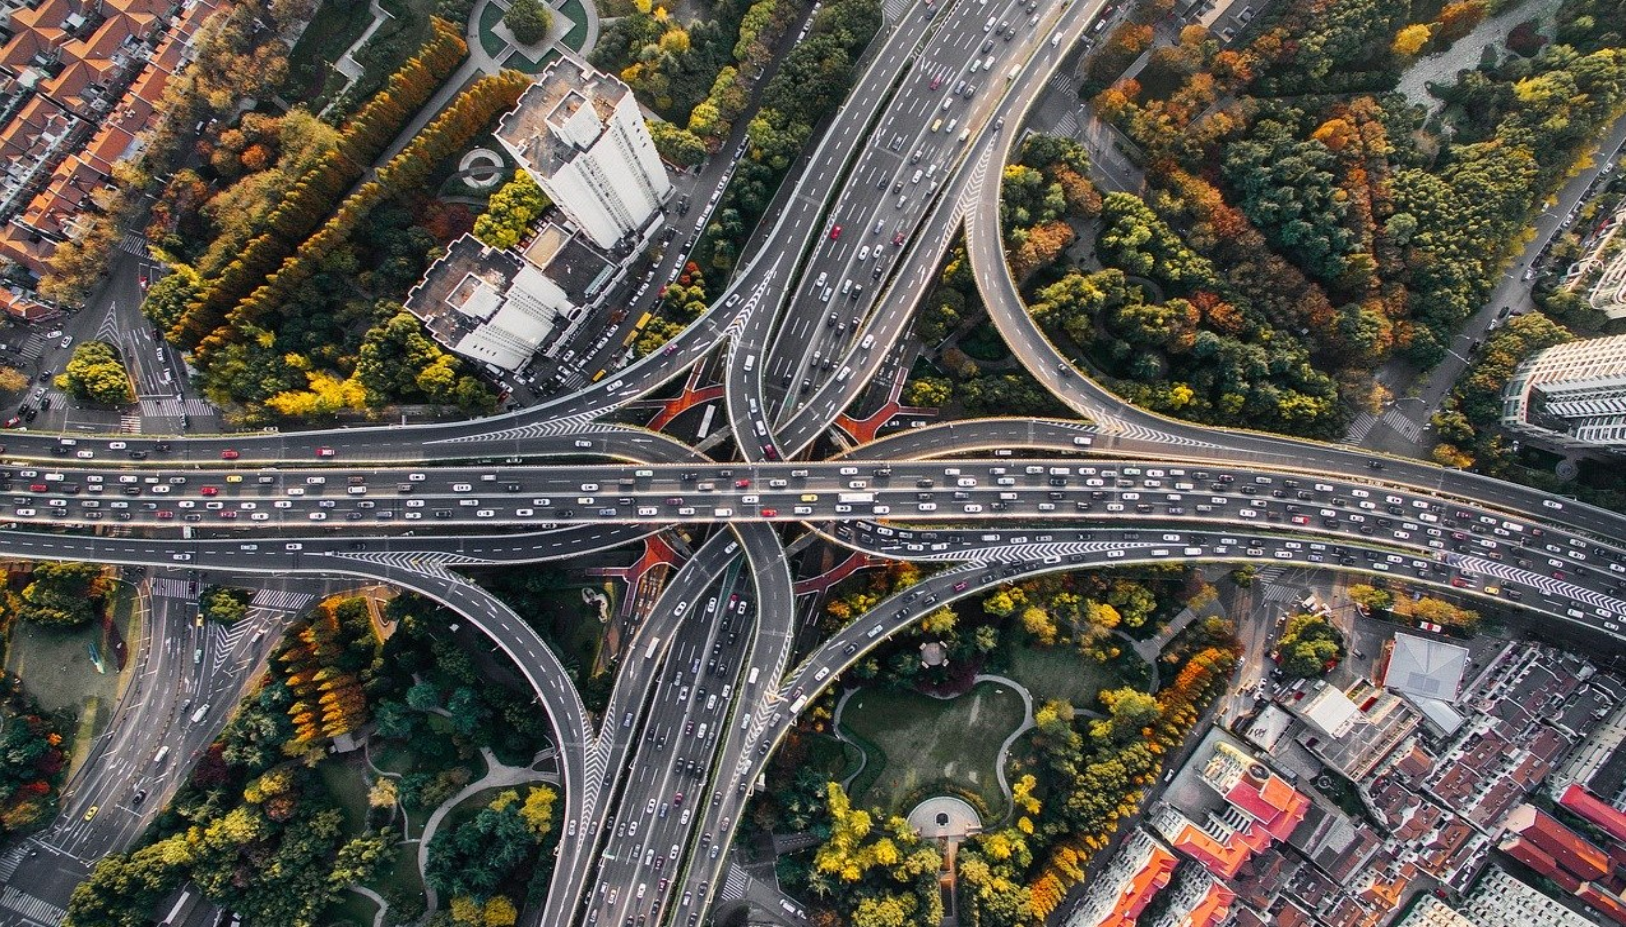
x: 538, y: 810
x: 95, y: 373
x: 12, y: 380
x: 529, y: 20
x: 1411, y: 40
x: 383, y: 794
x: 1371, y: 598
x: 224, y: 604
x: 1309, y: 646
x: 512, y: 212
x: 62, y: 594
x: 1130, y: 714
x: 928, y: 392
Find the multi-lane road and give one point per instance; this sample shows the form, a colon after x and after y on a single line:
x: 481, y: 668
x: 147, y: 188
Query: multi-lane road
x: 656, y: 787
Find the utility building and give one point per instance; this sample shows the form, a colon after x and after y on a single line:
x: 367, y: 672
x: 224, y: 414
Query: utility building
x: 1572, y: 396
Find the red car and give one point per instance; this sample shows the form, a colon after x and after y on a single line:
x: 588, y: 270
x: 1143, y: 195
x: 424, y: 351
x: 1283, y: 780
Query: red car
x: 897, y: 239
x: 325, y: 452
x: 769, y: 513
x: 166, y: 515
x: 742, y: 484
x: 229, y: 455
x: 13, y: 422
x: 227, y: 513
x: 210, y: 491
x: 937, y: 82
x: 835, y: 233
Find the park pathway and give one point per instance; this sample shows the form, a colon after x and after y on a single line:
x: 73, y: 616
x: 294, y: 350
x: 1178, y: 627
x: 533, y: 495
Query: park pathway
x: 497, y: 776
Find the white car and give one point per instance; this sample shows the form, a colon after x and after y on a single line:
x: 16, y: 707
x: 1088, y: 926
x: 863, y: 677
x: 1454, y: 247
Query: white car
x: 117, y: 446
x: 317, y: 516
x: 85, y: 455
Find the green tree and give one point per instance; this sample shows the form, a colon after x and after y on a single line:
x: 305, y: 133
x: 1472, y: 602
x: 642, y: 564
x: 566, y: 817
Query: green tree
x: 1309, y: 646
x: 62, y: 594
x: 95, y: 373
x: 512, y: 212
x: 529, y: 20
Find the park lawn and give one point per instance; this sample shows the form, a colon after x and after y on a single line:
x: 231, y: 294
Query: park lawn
x: 402, y: 878
x: 345, y: 781
x: 489, y: 40
x: 1061, y: 673
x: 923, y: 740
x: 577, y: 14
x: 352, y: 908
x: 835, y: 758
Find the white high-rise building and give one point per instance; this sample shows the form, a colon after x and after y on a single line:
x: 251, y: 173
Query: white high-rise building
x: 581, y: 135
x: 1571, y: 395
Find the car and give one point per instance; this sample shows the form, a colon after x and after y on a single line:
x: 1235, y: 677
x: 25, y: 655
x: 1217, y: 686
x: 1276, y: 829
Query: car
x: 936, y: 82
x: 211, y: 490
x: 91, y: 814
x: 769, y: 513
x: 229, y: 454
x: 84, y: 455
x: 897, y: 239
x: 325, y: 452
x: 66, y: 341
x: 13, y: 422
x: 116, y: 445
x: 835, y: 233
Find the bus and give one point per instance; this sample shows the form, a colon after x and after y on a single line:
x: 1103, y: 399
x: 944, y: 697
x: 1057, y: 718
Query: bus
x: 650, y: 653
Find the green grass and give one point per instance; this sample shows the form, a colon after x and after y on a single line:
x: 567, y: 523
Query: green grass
x: 489, y: 18
x: 348, y: 786
x: 923, y: 740
x: 835, y: 758
x: 519, y: 62
x: 1060, y: 673
x: 335, y: 27
x: 574, y: 11
x: 403, y: 877
x: 352, y: 908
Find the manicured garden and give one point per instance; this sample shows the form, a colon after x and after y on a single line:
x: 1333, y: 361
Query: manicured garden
x: 913, y: 741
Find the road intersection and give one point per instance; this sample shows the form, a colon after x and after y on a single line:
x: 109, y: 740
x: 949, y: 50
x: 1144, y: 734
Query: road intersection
x: 655, y: 788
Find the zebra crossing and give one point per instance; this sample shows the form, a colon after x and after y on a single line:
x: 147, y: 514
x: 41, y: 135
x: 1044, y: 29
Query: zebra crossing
x: 129, y: 424
x: 10, y: 861
x: 172, y: 407
x: 33, y: 910
x: 134, y: 244
x: 1063, y: 82
x: 170, y: 588
x: 893, y: 10
x: 280, y: 600
x: 1403, y: 426
x: 33, y: 346
x: 735, y: 883
x: 1360, y: 428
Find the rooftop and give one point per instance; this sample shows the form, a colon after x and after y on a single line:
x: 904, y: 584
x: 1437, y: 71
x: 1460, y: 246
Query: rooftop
x: 1426, y: 667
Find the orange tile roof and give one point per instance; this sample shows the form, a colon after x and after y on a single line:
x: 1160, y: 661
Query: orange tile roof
x: 28, y: 43
x: 1212, y: 909
x: 108, y: 146
x: 19, y: 245
x: 1139, y: 891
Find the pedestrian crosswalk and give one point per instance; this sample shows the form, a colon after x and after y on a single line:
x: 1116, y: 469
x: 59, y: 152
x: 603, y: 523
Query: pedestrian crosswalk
x: 33, y: 910
x: 169, y: 588
x: 893, y: 10
x: 33, y: 346
x: 130, y: 424
x: 134, y: 244
x: 1405, y: 427
x: 735, y: 883
x: 280, y: 600
x: 175, y: 408
x: 10, y: 861
x: 1360, y: 428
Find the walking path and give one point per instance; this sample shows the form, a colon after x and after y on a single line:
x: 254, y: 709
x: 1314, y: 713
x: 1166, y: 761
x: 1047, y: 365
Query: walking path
x: 497, y: 775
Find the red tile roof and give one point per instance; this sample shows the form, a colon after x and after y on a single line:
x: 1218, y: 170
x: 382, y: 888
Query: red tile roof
x: 1212, y: 908
x: 1604, y: 903
x: 26, y: 247
x: 1593, y: 809
x: 1568, y: 849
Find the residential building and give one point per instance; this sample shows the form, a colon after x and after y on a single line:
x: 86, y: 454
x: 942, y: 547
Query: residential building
x: 1139, y: 870
x: 491, y: 306
x: 1571, y: 396
x: 1500, y: 900
x: 581, y: 135
x: 1432, y: 912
